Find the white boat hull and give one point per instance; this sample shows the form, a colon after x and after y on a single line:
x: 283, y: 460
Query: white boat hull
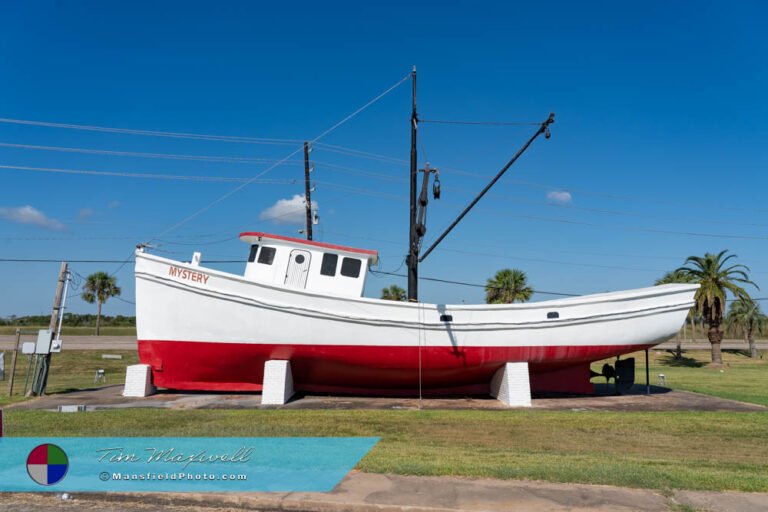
x: 204, y: 329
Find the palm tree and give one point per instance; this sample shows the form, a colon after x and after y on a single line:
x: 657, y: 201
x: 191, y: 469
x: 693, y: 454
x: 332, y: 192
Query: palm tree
x: 680, y: 277
x: 393, y: 292
x: 715, y: 279
x: 507, y: 286
x: 747, y: 315
x: 99, y: 287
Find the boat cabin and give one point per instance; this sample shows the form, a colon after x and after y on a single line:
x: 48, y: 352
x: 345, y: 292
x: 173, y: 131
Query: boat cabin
x: 307, y: 264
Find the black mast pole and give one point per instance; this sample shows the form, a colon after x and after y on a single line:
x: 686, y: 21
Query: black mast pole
x: 412, y: 259
x: 307, y: 191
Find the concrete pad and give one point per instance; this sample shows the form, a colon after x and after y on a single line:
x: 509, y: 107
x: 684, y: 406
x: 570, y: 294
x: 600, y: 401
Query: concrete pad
x: 723, y: 501
x: 661, y: 399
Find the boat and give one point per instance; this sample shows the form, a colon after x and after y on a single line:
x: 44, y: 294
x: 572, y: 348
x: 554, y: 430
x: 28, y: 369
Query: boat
x: 302, y: 301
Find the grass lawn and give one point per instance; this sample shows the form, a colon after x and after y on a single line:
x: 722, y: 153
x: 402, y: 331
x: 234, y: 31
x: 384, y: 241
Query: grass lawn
x: 71, y: 370
x: 680, y: 450
x: 73, y: 331
x: 658, y: 450
x: 742, y: 378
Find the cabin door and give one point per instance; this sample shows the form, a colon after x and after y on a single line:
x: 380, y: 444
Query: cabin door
x: 298, y: 269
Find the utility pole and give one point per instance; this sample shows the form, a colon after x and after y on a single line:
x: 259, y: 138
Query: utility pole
x: 13, y: 363
x: 412, y: 260
x: 307, y: 190
x: 43, y: 361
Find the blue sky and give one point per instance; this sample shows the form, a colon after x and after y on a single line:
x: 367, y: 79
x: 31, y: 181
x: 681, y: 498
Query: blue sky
x: 659, y: 135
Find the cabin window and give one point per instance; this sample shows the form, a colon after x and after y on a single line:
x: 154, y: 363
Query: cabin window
x: 267, y: 255
x: 350, y: 267
x: 252, y: 256
x: 328, y: 267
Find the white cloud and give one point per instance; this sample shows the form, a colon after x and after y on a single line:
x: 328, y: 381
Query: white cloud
x: 559, y: 196
x: 85, y: 214
x: 287, y: 211
x: 113, y: 204
x: 30, y: 215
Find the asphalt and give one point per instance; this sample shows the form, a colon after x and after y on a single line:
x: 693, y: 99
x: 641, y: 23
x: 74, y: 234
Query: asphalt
x: 365, y: 492
x: 7, y: 342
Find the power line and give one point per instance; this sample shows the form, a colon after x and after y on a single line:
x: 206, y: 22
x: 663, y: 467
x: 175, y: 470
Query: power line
x: 462, y: 283
x: 490, y: 123
x: 154, y: 133
x: 638, y: 229
x: 293, y: 153
x: 198, y: 158
x: 137, y: 154
x: 462, y: 172
x: 361, y: 191
x: 175, y: 177
x: 627, y: 214
x: 357, y: 153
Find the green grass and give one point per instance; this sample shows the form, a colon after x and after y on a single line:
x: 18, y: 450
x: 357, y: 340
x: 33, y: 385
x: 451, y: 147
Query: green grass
x: 73, y: 331
x: 658, y: 450
x: 680, y: 450
x: 742, y: 378
x: 71, y: 370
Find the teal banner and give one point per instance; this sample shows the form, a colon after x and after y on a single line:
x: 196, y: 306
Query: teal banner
x: 178, y: 464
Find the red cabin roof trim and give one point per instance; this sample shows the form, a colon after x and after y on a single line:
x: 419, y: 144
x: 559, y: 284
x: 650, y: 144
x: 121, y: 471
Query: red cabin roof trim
x: 369, y: 252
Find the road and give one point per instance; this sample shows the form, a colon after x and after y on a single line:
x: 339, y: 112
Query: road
x: 80, y: 342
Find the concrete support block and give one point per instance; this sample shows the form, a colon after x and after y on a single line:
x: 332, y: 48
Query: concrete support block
x: 278, y: 383
x: 511, y: 385
x: 138, y: 381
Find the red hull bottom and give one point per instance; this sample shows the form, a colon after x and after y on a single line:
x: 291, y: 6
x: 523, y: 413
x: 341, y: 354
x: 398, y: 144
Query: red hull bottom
x: 375, y: 370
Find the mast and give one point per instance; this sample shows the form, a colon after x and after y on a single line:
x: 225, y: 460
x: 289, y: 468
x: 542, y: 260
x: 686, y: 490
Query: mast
x: 412, y: 260
x: 307, y: 191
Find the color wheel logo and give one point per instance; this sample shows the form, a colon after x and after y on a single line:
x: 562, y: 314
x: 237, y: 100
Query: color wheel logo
x: 47, y: 464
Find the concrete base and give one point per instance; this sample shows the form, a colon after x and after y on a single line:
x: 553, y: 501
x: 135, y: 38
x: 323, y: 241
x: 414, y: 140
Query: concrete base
x: 138, y: 381
x: 511, y: 385
x: 277, y: 387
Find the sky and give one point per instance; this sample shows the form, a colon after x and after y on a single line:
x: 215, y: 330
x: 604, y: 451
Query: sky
x: 657, y: 152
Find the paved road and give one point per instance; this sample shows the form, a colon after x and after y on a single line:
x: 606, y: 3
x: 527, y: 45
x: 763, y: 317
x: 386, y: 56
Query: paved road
x: 705, y: 345
x: 80, y: 342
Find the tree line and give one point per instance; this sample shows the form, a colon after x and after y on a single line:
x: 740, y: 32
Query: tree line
x: 70, y: 320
